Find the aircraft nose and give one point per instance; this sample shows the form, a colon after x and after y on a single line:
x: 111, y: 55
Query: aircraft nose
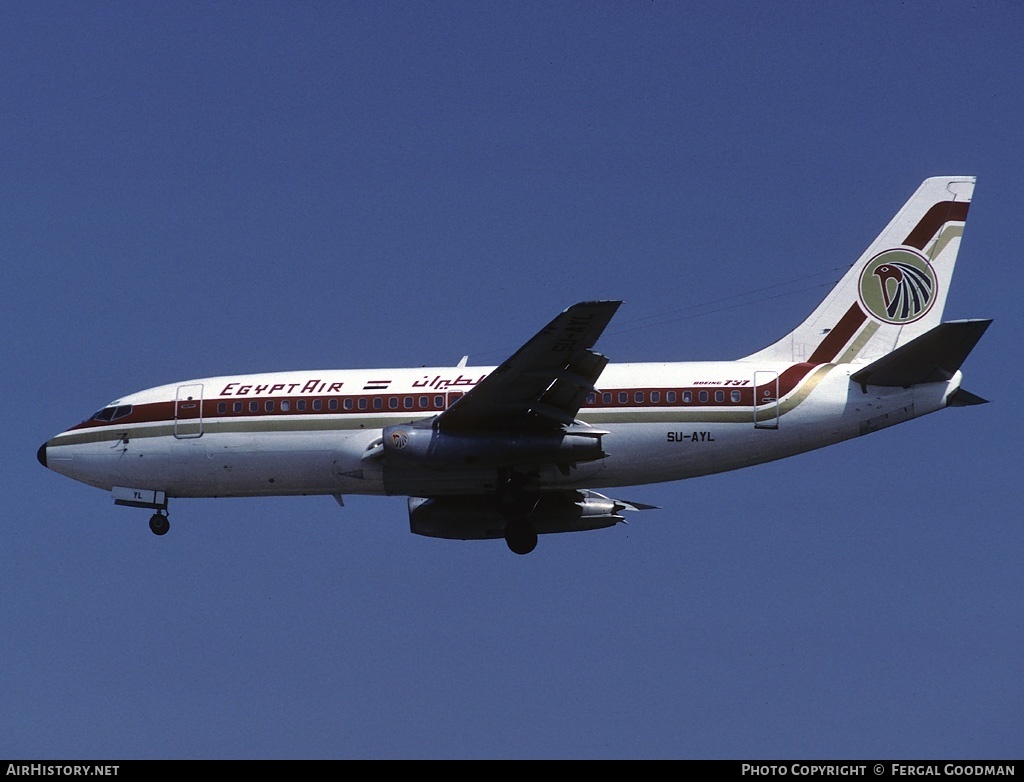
x: 41, y: 454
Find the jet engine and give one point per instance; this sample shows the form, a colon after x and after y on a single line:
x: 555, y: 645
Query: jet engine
x: 485, y: 516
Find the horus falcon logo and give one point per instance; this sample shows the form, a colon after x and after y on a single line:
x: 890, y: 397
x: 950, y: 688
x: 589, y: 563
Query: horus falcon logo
x: 898, y: 286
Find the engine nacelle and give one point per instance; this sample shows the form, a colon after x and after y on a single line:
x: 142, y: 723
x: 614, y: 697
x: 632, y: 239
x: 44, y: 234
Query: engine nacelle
x: 482, y: 517
x: 407, y: 445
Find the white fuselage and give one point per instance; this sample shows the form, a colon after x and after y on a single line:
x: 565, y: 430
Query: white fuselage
x: 311, y: 432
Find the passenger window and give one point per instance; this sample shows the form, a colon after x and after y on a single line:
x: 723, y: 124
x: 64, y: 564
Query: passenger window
x: 285, y: 405
x: 318, y: 404
x: 656, y: 396
x: 378, y: 403
x: 670, y: 397
x: 719, y: 396
x: 393, y: 402
x: 735, y: 395
x: 222, y: 407
x: 300, y: 405
x: 270, y: 406
x: 362, y: 403
x: 703, y: 396
x: 348, y: 404
x: 254, y: 406
x: 638, y: 397
x: 591, y: 398
x: 606, y: 397
x: 687, y: 396
x: 332, y: 404
x: 407, y: 403
x: 439, y: 402
x: 623, y: 397
x: 237, y: 407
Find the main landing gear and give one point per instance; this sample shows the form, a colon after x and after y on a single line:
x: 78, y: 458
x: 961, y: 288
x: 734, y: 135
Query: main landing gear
x: 520, y: 536
x: 159, y: 524
x: 516, y: 505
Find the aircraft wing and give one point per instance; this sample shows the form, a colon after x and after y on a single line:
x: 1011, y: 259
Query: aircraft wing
x: 543, y: 384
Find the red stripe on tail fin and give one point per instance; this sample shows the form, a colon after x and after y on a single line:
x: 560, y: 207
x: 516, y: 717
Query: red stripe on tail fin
x: 936, y: 217
x: 839, y: 335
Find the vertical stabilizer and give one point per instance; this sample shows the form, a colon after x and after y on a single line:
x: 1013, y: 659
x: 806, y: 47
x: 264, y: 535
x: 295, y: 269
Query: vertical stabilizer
x: 896, y: 291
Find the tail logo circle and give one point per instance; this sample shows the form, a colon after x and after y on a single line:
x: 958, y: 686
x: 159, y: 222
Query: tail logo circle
x: 898, y: 286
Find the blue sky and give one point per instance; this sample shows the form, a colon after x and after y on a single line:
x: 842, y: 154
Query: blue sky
x: 193, y: 189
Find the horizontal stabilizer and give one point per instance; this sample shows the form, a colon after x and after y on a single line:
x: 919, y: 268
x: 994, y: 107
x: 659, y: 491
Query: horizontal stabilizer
x: 934, y: 357
x: 628, y: 505
x: 961, y: 398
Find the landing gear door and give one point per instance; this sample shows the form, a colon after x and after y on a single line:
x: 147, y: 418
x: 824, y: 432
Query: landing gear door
x: 188, y: 411
x: 766, y: 400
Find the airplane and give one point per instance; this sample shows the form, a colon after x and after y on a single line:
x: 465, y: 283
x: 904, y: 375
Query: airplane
x: 520, y: 449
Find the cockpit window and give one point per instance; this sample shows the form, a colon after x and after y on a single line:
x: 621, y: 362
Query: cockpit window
x: 112, y: 413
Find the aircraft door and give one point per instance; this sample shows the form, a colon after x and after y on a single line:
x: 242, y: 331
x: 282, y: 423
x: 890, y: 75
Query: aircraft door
x: 766, y: 400
x: 188, y: 411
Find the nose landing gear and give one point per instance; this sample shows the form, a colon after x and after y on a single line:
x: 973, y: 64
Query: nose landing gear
x: 159, y: 524
x: 145, y: 498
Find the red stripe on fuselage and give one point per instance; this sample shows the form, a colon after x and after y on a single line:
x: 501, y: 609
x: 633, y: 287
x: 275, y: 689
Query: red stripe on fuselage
x: 635, y: 398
